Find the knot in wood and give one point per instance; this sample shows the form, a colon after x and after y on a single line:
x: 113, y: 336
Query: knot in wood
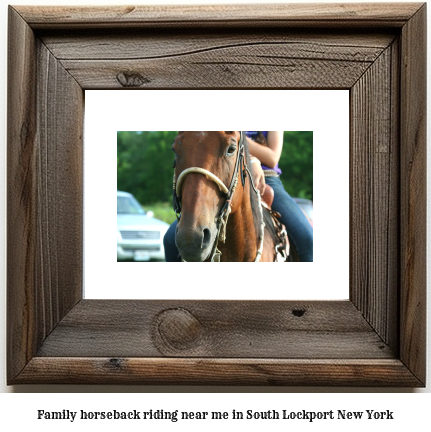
x: 298, y: 312
x: 115, y: 363
x: 131, y: 79
x: 178, y: 328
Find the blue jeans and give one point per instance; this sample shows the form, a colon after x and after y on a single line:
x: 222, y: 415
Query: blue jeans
x: 171, y: 251
x: 298, y: 228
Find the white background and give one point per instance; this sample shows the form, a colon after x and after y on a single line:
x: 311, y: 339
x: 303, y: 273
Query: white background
x: 326, y: 113
x: 19, y: 410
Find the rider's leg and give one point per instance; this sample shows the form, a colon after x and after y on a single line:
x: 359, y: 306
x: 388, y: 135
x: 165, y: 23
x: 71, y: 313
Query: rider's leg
x: 298, y: 228
x: 171, y: 250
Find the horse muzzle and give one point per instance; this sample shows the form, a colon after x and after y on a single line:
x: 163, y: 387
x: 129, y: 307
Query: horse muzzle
x: 195, y: 244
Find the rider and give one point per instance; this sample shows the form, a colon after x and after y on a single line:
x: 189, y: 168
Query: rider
x: 266, y: 147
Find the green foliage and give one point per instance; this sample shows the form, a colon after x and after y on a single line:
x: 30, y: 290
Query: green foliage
x: 144, y: 167
x: 162, y: 211
x: 296, y: 162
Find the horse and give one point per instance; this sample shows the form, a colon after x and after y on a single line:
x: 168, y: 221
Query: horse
x: 220, y: 216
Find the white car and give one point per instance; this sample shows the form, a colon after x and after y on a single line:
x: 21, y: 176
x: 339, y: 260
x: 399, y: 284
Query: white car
x: 139, y: 234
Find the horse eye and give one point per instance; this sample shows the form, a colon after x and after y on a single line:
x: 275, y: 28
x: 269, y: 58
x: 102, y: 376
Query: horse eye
x: 231, y: 150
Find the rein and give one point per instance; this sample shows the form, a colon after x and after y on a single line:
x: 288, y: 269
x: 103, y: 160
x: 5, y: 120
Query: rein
x: 226, y: 208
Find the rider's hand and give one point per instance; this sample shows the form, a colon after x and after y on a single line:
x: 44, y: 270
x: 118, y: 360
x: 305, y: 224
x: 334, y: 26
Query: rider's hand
x: 258, y: 176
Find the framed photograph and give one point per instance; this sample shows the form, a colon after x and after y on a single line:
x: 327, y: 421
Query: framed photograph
x: 376, y: 337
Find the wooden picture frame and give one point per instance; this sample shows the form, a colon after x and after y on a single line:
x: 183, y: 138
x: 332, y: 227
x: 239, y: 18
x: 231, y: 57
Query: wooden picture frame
x: 376, y: 338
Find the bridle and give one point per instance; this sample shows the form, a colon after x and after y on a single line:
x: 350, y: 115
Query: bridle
x: 242, y: 169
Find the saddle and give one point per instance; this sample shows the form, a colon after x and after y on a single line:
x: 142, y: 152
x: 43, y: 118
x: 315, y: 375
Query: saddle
x: 283, y: 248
x: 268, y: 197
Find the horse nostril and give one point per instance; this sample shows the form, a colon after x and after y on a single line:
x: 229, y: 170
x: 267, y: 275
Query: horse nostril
x: 206, y: 238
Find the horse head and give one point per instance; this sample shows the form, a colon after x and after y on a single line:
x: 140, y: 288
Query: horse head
x: 207, y: 168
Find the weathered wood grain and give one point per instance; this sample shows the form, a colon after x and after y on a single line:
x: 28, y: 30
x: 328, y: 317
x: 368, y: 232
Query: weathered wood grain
x: 202, y: 59
x: 21, y: 198
x: 145, y: 44
x: 374, y: 192
x: 207, y: 72
x: 413, y: 194
x: 310, y: 15
x: 59, y: 188
x: 197, y: 371
x: 392, y: 301
x: 236, y: 329
x: 45, y: 106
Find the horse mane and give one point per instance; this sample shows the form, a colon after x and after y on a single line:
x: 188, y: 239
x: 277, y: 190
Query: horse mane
x: 267, y: 218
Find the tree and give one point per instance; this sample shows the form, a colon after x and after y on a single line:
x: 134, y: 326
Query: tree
x: 144, y: 164
x: 296, y: 163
